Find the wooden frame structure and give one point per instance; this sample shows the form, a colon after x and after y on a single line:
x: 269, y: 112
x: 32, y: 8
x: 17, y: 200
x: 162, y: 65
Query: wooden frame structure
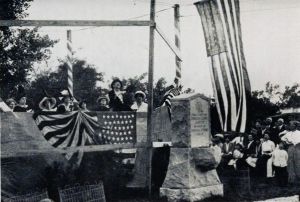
x: 101, y: 23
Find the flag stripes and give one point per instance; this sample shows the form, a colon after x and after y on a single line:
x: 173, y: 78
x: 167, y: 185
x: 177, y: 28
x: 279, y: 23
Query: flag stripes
x: 167, y: 98
x: 222, y: 32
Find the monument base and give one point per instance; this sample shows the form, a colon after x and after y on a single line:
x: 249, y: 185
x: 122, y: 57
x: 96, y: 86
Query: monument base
x: 195, y: 194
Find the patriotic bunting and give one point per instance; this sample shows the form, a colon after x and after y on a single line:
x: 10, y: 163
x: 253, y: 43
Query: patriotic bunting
x: 77, y: 128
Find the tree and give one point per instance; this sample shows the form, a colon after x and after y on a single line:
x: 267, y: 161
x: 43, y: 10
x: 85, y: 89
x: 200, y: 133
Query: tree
x: 85, y: 78
x: 291, y: 97
x: 20, y: 48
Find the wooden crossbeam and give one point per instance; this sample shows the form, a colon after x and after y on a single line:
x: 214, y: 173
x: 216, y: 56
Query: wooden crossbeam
x: 91, y: 148
x: 175, y: 50
x: 11, y: 23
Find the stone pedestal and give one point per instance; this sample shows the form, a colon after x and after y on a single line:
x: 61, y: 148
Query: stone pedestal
x: 191, y: 172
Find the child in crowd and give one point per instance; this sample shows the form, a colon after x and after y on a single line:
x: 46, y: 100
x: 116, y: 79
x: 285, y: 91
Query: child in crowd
x: 280, y: 159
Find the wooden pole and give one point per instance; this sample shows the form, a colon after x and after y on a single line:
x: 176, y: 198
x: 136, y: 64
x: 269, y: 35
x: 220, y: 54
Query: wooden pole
x: 150, y: 94
x: 98, y: 23
x: 177, y: 43
x: 69, y: 61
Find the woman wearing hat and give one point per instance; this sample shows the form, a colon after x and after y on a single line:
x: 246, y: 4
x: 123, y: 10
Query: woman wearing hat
x: 21, y: 106
x: 47, y: 104
x: 139, y: 105
x: 65, y: 105
x: 102, y: 102
x: 21, y: 99
x: 116, y: 97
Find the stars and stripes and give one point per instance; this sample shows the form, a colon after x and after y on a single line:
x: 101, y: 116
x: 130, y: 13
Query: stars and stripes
x: 118, y: 127
x: 77, y: 128
x: 222, y: 32
x: 69, y: 129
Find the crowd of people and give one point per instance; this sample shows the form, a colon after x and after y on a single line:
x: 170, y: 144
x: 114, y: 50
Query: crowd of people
x: 113, y: 101
x: 270, y: 150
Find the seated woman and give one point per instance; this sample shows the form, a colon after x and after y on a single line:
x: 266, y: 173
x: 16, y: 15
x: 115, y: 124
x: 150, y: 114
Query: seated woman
x: 65, y: 105
x: 139, y: 105
x: 116, y: 97
x: 47, y: 104
x: 102, y: 102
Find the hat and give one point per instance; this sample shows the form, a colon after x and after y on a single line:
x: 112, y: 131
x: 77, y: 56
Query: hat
x: 115, y: 81
x: 219, y: 135
x: 20, y: 93
x: 141, y: 93
x: 281, y: 120
x: 52, y: 101
x: 102, y: 97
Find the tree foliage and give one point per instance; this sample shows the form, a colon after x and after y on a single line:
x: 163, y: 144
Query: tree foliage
x: 85, y: 78
x: 19, y: 48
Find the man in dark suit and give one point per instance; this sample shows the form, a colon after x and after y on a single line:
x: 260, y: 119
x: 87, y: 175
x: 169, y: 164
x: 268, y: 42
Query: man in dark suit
x: 250, y: 149
x: 280, y: 127
x: 263, y: 130
x: 226, y: 149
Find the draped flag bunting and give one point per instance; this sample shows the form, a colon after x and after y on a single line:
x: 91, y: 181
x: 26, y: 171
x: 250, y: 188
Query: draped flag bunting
x: 79, y: 128
x: 223, y: 37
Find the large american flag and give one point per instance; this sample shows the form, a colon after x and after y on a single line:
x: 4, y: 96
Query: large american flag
x: 223, y: 37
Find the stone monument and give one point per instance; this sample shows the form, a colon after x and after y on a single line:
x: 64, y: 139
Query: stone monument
x: 191, y: 172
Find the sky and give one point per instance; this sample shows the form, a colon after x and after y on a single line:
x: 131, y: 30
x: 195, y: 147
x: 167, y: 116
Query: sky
x: 270, y: 34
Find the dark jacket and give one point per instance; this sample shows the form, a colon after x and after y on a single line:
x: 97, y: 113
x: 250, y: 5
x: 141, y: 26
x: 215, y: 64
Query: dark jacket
x: 115, y: 103
x: 251, y: 149
x: 230, y: 148
x: 19, y: 108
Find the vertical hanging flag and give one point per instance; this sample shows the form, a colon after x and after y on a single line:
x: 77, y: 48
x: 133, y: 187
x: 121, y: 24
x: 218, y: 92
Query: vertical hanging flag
x: 177, y: 43
x: 69, y: 61
x: 223, y: 37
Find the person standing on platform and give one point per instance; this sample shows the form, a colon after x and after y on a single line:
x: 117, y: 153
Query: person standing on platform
x: 65, y: 106
x: 102, y: 102
x: 139, y: 105
x: 116, y: 97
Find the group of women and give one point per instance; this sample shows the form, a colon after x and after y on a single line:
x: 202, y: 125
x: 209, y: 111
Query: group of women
x: 114, y: 101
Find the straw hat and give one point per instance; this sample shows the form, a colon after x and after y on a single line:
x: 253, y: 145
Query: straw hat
x: 52, y: 101
x: 139, y: 92
x: 219, y: 135
x: 102, y: 97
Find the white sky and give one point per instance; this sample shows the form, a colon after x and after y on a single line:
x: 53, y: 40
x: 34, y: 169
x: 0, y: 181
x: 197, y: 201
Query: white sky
x: 270, y: 31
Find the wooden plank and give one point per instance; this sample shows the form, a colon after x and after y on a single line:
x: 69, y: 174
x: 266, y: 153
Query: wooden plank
x: 150, y: 96
x: 175, y: 50
x: 99, y: 23
x: 91, y: 148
